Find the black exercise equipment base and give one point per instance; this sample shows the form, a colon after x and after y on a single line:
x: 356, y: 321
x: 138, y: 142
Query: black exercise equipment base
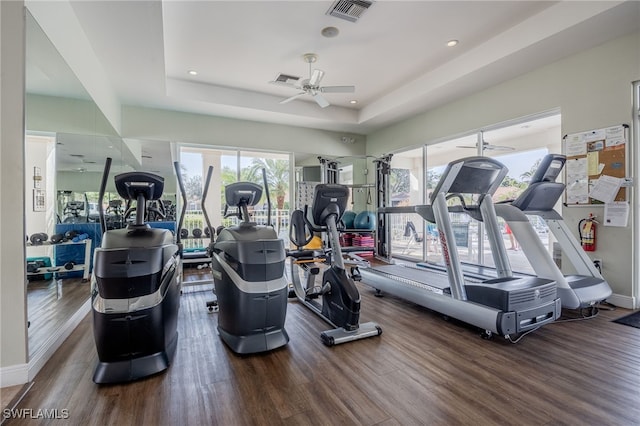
x: 136, y: 368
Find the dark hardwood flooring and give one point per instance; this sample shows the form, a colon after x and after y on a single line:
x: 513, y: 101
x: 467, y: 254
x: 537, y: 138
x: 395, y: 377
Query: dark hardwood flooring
x: 421, y: 370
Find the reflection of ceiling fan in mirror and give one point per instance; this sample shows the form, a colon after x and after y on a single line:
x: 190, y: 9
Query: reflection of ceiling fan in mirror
x: 489, y: 147
x: 310, y: 86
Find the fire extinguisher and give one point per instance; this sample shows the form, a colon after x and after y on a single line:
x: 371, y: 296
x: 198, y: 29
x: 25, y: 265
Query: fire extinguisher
x: 587, y: 232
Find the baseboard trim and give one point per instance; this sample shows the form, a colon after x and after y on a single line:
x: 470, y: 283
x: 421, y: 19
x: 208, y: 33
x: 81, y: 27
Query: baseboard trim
x: 40, y: 358
x: 13, y: 375
x: 627, y: 302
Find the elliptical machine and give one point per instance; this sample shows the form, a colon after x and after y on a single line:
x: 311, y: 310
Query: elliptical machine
x: 135, y: 289
x: 340, y: 305
x: 247, y: 263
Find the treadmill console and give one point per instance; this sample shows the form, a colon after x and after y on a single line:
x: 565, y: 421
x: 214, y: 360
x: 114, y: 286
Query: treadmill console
x: 471, y: 175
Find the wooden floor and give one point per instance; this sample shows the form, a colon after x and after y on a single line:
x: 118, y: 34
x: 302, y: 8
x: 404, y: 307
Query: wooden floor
x: 421, y: 370
x: 50, y: 304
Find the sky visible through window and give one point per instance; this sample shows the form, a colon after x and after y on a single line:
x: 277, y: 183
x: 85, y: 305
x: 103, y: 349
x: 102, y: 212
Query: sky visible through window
x: 518, y: 163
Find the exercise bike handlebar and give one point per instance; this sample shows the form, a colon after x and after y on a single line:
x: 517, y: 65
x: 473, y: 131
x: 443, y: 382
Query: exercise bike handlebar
x: 298, y: 230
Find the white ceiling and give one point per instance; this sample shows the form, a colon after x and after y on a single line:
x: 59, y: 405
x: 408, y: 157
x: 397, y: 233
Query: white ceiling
x: 395, y: 55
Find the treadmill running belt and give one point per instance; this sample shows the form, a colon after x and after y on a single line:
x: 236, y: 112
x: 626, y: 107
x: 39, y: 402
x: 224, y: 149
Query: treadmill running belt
x: 436, y: 279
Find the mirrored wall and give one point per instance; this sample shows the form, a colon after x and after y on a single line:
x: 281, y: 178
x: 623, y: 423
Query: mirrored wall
x: 66, y: 144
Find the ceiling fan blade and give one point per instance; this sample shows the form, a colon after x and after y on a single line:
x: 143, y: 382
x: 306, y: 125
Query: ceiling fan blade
x: 462, y: 146
x: 320, y: 100
x: 284, y: 101
x: 338, y: 89
x: 315, y: 78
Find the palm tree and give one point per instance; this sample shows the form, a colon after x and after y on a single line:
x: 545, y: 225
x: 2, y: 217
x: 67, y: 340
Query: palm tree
x: 526, y: 176
x: 277, y: 172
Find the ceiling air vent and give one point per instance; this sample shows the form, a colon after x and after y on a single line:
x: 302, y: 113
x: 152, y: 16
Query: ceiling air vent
x: 350, y: 10
x: 286, y: 79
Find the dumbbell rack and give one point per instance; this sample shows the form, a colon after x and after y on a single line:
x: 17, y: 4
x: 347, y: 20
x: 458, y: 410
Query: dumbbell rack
x: 77, y: 267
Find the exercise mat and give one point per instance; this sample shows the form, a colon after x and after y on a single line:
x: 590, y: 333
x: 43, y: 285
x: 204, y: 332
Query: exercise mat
x: 632, y: 319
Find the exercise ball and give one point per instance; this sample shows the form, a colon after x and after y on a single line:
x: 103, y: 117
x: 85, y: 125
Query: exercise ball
x: 365, y: 220
x: 348, y: 218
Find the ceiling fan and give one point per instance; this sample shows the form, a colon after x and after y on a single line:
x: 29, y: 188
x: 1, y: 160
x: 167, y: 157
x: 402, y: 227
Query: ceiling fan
x: 489, y: 147
x: 310, y: 86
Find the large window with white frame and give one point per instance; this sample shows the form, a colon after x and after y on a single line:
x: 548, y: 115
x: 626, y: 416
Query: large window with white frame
x: 519, y: 145
x: 232, y: 165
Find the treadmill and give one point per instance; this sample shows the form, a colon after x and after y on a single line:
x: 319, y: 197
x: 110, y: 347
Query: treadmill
x: 586, y: 287
x: 507, y: 305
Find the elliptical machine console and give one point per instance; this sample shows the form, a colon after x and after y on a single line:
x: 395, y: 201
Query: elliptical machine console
x: 247, y: 262
x: 340, y: 305
x: 135, y: 289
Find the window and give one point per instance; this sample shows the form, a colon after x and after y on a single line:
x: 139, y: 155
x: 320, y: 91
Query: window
x: 408, y: 230
x: 519, y: 147
x: 233, y: 166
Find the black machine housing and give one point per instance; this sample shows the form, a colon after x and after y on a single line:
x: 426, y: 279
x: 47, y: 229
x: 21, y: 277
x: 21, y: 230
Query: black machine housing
x: 247, y: 262
x: 340, y: 298
x: 135, y: 290
x: 331, y: 200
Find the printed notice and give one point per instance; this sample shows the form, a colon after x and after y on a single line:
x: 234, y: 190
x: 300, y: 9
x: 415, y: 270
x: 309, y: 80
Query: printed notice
x: 615, y: 137
x: 615, y: 132
x: 595, y: 135
x: 616, y: 214
x: 606, y: 188
x: 577, y: 182
x: 574, y: 145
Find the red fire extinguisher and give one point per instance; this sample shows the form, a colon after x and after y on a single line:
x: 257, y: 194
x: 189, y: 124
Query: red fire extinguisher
x: 587, y: 232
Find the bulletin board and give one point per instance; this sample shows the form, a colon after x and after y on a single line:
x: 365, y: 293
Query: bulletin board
x: 597, y: 163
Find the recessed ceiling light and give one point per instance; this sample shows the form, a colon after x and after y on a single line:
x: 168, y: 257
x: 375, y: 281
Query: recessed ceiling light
x: 353, y: 101
x: 192, y: 72
x: 452, y: 43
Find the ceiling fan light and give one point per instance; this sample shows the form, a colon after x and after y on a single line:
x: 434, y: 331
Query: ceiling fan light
x: 315, y: 78
x: 452, y: 43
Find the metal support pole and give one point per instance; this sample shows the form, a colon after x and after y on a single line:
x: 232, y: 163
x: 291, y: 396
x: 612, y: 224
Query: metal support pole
x: 449, y: 248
